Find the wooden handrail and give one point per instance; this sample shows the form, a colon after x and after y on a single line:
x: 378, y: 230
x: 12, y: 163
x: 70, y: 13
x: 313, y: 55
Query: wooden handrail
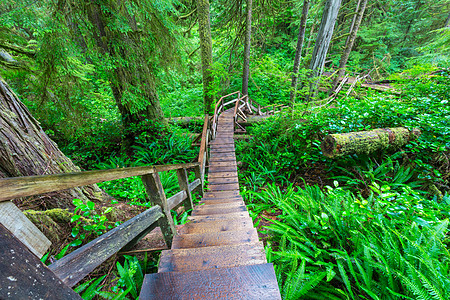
x: 79, y: 263
x: 17, y: 187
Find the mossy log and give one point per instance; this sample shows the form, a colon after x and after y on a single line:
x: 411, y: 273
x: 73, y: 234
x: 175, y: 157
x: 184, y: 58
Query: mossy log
x: 337, y: 145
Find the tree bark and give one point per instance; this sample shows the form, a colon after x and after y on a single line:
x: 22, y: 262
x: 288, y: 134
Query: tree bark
x: 326, y: 29
x: 337, y: 145
x: 204, y: 31
x: 349, y: 44
x: 298, y: 52
x: 248, y: 40
x: 26, y: 150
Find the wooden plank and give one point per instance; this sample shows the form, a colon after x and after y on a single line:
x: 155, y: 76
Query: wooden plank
x: 176, y: 199
x: 223, y: 187
x: 222, y: 169
x: 199, y: 182
x: 183, y: 260
x: 222, y: 180
x: 183, y: 182
x: 211, y: 209
x: 24, y: 276
x: 155, y: 193
x: 18, y: 224
x: 204, y: 141
x: 76, y: 265
x: 217, y: 226
x: 215, y: 239
x: 223, y: 194
x: 222, y: 159
x: 219, y: 217
x: 222, y: 164
x: 222, y: 175
x: 243, y: 282
x: 16, y: 187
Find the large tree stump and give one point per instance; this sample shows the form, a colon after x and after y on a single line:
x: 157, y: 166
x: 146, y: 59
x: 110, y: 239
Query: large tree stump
x: 337, y: 145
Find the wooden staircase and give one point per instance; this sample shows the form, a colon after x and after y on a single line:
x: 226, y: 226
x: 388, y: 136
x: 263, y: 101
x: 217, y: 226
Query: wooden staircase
x: 217, y: 255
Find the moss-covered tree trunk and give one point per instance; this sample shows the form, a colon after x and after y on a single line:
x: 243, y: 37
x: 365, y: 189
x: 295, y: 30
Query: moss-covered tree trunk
x: 26, y: 150
x: 366, y: 142
x: 298, y: 52
x: 204, y: 30
x: 248, y: 41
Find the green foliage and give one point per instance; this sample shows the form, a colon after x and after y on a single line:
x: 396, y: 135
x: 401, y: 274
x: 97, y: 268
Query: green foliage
x: 332, y: 245
x: 87, y: 221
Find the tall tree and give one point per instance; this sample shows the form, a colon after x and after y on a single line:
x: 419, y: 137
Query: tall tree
x: 298, y: 52
x: 324, y: 35
x: 351, y: 40
x: 123, y: 42
x: 204, y: 29
x: 247, y: 44
x: 26, y: 150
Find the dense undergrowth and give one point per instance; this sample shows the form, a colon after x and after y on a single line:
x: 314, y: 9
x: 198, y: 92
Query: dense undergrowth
x: 364, y: 227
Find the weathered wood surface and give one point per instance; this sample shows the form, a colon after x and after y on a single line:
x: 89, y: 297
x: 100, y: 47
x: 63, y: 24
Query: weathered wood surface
x: 184, y: 185
x: 243, y: 283
x: 16, y: 187
x: 216, y: 257
x: 155, y: 193
x: 337, y: 145
x: 24, y: 276
x: 18, y: 224
x: 76, y: 265
x: 219, y: 237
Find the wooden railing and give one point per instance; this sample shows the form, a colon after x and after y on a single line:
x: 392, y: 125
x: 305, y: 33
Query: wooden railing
x: 75, y: 266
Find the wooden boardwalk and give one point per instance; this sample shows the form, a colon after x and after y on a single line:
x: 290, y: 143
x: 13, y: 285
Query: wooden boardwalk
x: 217, y: 255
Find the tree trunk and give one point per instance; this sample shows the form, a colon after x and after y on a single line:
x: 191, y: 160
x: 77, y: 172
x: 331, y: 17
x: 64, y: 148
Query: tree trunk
x: 26, y: 150
x: 337, y: 145
x: 447, y: 22
x: 204, y: 31
x: 349, y: 44
x: 326, y: 29
x: 298, y: 52
x: 131, y: 81
x: 353, y: 22
x: 248, y: 41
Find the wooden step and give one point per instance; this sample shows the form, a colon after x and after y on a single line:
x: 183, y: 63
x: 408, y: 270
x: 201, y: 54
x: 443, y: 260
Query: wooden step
x: 223, y: 187
x: 217, y: 226
x: 222, y: 175
x: 214, y: 209
x: 224, y: 200
x: 222, y: 163
x: 222, y: 180
x: 215, y: 169
x: 209, y: 239
x: 217, y: 217
x: 243, y: 282
x: 222, y: 159
x: 221, y: 194
x: 222, y: 149
x: 194, y: 259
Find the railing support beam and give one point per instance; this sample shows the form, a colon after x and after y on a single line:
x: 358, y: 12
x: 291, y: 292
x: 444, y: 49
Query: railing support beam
x: 183, y: 181
x: 155, y: 193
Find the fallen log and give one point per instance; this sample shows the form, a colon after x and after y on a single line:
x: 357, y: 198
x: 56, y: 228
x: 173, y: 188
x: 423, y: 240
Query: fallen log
x: 337, y: 145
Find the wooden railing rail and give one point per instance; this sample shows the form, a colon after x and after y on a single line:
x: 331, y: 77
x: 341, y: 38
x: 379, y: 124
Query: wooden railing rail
x: 16, y: 187
x: 75, y: 266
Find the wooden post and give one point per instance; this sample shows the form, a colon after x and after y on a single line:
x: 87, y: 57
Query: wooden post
x: 183, y: 181
x: 155, y: 192
x: 198, y: 174
x: 15, y: 221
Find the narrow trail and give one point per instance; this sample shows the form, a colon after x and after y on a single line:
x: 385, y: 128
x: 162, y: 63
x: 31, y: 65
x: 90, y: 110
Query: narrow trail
x: 217, y: 255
